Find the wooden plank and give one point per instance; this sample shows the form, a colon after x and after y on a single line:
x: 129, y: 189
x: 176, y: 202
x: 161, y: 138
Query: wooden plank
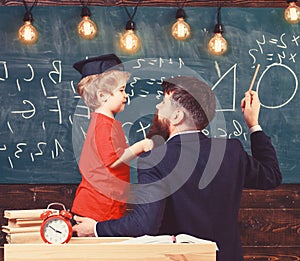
x: 270, y: 227
x: 174, y: 3
x: 39, y: 196
x: 285, y: 196
x: 272, y: 253
x: 252, y: 253
x: 35, y: 196
x: 107, y: 251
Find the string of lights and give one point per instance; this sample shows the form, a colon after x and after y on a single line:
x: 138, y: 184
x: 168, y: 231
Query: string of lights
x: 130, y: 42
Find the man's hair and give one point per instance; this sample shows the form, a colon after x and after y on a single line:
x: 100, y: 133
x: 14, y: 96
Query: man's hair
x: 107, y: 82
x: 195, y: 96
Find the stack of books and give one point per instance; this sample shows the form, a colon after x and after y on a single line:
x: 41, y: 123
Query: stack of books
x: 23, y: 226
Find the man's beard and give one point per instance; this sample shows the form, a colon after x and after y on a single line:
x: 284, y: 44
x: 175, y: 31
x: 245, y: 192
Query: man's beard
x: 159, y: 132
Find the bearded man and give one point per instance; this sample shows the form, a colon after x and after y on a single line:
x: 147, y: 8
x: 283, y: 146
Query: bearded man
x: 191, y: 183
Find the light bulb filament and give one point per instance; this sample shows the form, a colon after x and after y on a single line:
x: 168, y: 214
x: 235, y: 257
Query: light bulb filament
x: 129, y: 42
x: 28, y: 33
x: 218, y: 45
x: 181, y: 30
x: 293, y: 13
x: 87, y: 28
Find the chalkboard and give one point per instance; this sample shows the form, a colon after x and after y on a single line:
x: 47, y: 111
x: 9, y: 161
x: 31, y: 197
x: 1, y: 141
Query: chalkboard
x: 43, y: 121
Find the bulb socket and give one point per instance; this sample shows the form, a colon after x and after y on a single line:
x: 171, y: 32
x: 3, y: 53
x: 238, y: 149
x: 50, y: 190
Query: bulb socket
x: 28, y: 17
x: 130, y: 25
x: 180, y: 13
x: 218, y: 29
x: 85, y: 11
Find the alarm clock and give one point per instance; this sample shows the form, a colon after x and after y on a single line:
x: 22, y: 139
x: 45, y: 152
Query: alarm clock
x: 56, y: 227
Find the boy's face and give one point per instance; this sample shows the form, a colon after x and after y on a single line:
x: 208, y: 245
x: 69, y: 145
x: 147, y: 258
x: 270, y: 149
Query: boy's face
x: 116, y: 102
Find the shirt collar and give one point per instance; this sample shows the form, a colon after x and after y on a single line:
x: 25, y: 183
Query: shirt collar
x: 183, y: 132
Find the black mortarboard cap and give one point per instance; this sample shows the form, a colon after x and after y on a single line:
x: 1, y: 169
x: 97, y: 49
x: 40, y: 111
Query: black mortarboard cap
x: 96, y: 65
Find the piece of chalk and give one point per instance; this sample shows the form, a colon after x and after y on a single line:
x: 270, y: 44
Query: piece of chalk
x: 254, y: 77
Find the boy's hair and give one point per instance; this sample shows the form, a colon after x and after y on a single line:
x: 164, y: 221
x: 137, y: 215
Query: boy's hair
x: 107, y: 82
x: 195, y: 96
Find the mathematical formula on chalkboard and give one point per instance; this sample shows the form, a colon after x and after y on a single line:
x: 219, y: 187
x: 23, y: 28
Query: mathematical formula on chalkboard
x: 44, y: 121
x: 26, y: 110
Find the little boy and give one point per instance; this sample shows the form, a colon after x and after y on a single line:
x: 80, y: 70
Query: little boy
x: 105, y: 156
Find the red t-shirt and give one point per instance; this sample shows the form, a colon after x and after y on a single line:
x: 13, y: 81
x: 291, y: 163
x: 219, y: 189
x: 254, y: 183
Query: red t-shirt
x: 101, y: 195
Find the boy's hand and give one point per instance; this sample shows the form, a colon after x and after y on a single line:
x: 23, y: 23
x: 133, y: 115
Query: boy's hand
x: 147, y: 144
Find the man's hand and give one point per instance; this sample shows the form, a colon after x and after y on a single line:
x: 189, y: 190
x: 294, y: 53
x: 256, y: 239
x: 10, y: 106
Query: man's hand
x: 250, y: 107
x: 84, y: 227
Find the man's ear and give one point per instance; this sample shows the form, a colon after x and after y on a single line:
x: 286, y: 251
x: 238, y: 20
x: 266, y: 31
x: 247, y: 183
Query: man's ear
x: 177, y: 117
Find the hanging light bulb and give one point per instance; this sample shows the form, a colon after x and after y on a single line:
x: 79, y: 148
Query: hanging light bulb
x: 218, y: 44
x: 27, y: 32
x: 180, y: 29
x: 129, y: 41
x: 87, y: 29
x: 292, y: 12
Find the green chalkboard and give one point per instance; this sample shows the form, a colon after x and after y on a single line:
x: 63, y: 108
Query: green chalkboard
x: 43, y: 121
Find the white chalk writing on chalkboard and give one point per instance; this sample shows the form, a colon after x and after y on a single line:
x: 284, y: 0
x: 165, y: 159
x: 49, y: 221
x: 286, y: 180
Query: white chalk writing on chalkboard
x: 286, y: 69
x: 5, y: 71
x: 274, y: 49
x: 233, y: 94
x: 281, y: 43
x: 55, y: 76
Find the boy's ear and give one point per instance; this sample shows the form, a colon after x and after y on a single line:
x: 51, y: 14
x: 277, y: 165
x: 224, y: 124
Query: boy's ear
x: 101, y: 96
x: 177, y: 117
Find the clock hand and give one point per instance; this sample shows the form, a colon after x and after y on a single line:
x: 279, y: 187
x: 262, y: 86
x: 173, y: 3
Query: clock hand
x: 57, y: 231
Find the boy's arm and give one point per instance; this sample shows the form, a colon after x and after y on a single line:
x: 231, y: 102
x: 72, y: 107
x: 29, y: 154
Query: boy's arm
x: 133, y: 151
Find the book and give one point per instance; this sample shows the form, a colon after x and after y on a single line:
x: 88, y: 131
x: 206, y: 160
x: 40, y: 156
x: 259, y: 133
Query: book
x: 13, y: 230
x: 19, y: 238
x: 26, y: 213
x: 20, y: 222
x: 166, y: 239
x: 23, y: 226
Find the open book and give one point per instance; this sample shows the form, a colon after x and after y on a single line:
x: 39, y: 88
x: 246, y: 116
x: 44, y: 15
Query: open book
x: 166, y: 239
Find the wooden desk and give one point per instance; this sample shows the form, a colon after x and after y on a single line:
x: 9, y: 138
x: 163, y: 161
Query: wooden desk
x: 100, y: 249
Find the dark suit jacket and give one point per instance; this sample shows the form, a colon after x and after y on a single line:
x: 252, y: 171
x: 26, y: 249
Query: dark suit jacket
x: 193, y: 185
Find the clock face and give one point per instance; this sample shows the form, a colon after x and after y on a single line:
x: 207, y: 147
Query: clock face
x: 56, y: 230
